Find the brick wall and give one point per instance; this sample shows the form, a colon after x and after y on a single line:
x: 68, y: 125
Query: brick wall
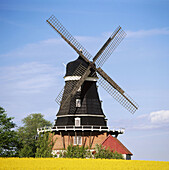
x: 89, y: 139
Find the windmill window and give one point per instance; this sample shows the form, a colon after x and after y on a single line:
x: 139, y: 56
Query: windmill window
x: 77, y: 140
x: 77, y: 121
x: 78, y: 103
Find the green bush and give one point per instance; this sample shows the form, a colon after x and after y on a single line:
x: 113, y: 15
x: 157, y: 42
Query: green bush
x: 76, y: 152
x: 84, y: 152
x: 101, y: 152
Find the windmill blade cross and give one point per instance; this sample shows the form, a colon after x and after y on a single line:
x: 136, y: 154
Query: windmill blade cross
x: 103, y: 54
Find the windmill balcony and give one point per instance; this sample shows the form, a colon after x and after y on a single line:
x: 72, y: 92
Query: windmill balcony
x: 80, y: 128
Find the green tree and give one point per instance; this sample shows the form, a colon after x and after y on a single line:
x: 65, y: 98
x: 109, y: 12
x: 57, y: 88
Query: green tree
x: 8, y: 137
x: 44, y: 145
x: 27, y: 134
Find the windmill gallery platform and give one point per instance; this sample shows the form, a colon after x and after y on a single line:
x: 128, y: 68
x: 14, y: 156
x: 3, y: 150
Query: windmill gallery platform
x: 80, y: 119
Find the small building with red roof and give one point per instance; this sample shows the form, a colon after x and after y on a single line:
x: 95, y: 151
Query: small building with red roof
x: 114, y: 144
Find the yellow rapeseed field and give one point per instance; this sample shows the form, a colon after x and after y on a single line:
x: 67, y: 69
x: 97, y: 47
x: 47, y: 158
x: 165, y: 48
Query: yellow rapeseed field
x: 78, y: 164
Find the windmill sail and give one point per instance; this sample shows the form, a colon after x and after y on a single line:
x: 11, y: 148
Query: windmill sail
x: 54, y: 22
x: 116, y: 92
x: 117, y: 36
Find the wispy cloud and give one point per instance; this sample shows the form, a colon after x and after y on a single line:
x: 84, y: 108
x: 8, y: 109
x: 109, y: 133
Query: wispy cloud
x: 145, y: 33
x: 50, y: 48
x: 57, y: 46
x: 28, y: 78
x: 53, y: 47
x: 34, y: 50
x: 30, y: 88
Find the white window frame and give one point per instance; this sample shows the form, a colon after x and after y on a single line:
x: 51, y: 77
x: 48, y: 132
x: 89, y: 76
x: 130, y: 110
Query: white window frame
x: 77, y: 140
x: 77, y: 121
x: 78, y: 102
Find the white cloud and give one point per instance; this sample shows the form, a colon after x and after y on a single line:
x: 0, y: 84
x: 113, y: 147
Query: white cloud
x: 153, y: 120
x: 150, y: 121
x: 159, y: 117
x: 145, y: 33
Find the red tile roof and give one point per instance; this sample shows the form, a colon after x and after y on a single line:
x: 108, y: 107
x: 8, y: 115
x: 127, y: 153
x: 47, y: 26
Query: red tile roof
x: 114, y: 144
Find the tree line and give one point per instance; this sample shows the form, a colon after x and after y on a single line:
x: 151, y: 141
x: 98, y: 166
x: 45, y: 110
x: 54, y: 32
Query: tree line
x: 23, y: 141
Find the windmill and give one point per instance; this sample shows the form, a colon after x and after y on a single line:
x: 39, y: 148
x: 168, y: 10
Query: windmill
x: 80, y: 115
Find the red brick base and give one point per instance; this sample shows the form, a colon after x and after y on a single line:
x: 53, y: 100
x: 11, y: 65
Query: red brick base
x: 89, y: 139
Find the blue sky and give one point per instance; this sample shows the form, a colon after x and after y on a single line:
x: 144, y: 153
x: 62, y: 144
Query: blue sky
x: 32, y: 57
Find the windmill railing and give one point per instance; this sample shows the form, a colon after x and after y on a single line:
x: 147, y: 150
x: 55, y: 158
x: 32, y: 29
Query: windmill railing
x: 80, y: 128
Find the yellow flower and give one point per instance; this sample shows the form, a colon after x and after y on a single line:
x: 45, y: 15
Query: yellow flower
x: 80, y: 164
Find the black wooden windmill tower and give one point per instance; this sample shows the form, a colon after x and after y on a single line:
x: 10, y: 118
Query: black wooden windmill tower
x: 80, y: 119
